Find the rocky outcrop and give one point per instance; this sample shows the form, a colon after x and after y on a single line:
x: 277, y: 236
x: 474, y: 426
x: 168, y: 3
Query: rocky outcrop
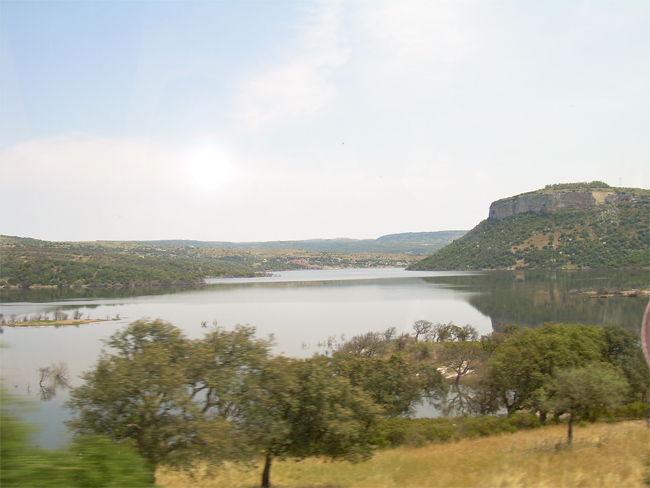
x: 551, y: 202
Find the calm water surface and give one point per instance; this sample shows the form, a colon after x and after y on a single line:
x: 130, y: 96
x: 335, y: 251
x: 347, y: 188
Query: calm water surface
x: 300, y: 308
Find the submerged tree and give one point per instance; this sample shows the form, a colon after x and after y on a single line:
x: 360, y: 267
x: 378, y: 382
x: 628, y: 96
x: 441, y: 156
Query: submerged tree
x: 52, y: 378
x: 461, y: 357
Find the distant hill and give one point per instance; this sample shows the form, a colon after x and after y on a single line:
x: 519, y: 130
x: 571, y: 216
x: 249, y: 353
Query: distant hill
x: 574, y: 225
x: 412, y: 242
x: 26, y: 262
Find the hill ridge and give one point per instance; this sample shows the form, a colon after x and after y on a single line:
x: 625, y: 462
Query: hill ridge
x: 407, y: 242
x: 527, y: 232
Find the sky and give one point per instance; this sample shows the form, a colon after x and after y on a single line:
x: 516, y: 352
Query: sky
x: 288, y: 120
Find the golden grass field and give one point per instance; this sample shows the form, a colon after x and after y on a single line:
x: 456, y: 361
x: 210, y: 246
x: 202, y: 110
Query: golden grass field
x: 602, y: 455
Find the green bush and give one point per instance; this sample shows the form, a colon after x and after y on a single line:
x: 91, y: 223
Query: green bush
x: 417, y: 432
x: 631, y: 411
x: 524, y: 421
x: 91, y: 461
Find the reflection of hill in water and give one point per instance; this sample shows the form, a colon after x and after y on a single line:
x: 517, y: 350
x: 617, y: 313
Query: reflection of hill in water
x: 43, y: 295
x: 527, y: 298
x: 531, y: 298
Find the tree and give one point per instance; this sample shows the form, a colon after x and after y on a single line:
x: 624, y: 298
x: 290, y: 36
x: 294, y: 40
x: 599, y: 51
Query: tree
x: 219, y: 397
x: 52, y: 378
x: 441, y: 332
x: 303, y: 409
x: 394, y: 383
x: 582, y: 392
x: 371, y: 344
x: 224, y: 366
x: 421, y: 327
x: 623, y: 349
x: 451, y: 332
x: 524, y: 363
x: 492, y: 340
x: 140, y: 394
x: 460, y: 357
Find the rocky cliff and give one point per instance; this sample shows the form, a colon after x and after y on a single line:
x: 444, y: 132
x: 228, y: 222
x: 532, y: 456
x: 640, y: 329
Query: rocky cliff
x: 567, y: 225
x: 552, y: 201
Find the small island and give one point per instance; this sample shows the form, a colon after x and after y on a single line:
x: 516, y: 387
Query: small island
x: 613, y: 292
x: 55, y: 323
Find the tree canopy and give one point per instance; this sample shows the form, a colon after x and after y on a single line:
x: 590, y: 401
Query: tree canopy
x: 180, y: 401
x: 583, y: 391
x: 219, y: 398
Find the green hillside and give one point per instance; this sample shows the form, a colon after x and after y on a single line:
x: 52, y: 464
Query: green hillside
x: 597, y: 235
x: 26, y: 262
x: 410, y: 242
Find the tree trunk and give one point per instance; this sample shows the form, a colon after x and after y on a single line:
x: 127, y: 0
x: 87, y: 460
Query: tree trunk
x: 266, y: 474
x: 570, y: 433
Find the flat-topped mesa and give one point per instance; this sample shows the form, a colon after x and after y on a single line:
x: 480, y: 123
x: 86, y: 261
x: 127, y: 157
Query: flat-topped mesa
x: 552, y: 201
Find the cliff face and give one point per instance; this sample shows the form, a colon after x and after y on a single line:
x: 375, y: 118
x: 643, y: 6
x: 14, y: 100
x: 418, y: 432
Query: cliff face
x: 555, y: 227
x: 550, y: 202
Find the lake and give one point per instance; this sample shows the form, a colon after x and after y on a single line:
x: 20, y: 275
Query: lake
x: 301, y: 308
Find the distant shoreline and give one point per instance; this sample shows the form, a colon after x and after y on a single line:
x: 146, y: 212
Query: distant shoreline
x: 56, y: 323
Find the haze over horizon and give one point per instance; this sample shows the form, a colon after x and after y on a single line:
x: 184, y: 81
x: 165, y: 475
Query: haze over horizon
x: 264, y: 120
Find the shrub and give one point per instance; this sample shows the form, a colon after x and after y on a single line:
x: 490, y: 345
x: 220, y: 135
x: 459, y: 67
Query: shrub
x: 416, y: 432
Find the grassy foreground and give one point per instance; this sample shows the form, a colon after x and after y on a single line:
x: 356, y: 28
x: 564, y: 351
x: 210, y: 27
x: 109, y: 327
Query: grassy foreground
x: 602, y: 455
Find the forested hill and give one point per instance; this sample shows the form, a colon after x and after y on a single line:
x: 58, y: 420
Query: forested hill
x: 411, y: 242
x: 561, y: 226
x: 26, y: 262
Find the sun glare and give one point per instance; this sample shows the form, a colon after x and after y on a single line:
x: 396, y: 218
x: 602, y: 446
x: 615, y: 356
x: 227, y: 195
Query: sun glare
x: 208, y: 167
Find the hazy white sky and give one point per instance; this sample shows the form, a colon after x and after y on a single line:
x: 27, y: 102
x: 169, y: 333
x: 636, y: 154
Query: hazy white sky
x: 269, y: 120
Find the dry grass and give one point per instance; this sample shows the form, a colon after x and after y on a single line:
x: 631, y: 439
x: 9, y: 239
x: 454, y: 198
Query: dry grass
x: 602, y: 455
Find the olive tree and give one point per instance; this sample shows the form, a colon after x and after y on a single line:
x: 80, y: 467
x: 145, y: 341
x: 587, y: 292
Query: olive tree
x: 302, y: 408
x: 461, y: 357
x: 583, y: 392
x: 524, y: 363
x: 394, y: 383
x: 224, y: 365
x: 140, y: 393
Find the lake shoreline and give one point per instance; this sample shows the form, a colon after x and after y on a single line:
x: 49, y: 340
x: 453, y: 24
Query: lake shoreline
x: 630, y: 293
x: 55, y: 323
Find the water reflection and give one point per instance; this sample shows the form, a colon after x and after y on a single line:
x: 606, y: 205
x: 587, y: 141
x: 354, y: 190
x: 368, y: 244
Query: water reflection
x: 68, y: 294
x: 532, y: 298
x: 300, y: 309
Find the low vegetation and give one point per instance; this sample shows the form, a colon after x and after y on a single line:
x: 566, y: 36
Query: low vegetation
x: 89, y: 462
